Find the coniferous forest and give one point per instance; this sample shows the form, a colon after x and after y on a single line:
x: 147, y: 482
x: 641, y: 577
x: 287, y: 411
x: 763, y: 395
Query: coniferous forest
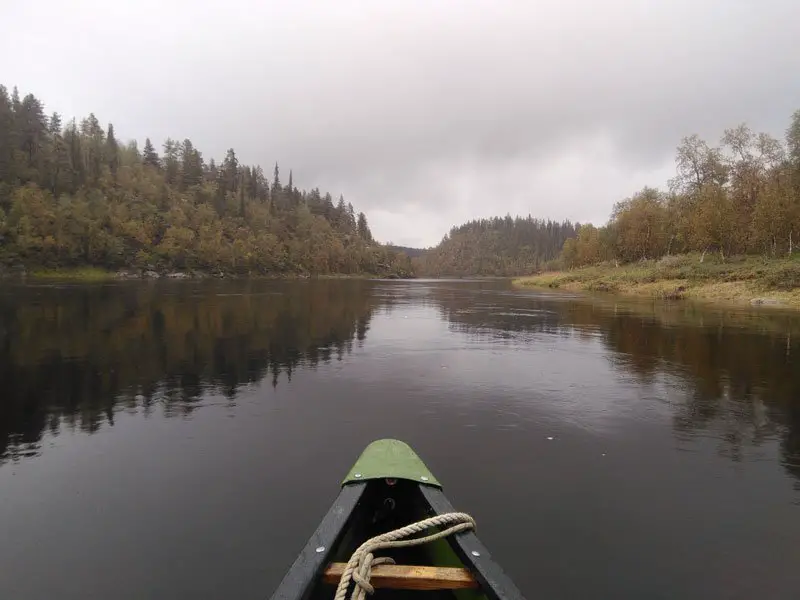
x: 496, y: 247
x: 72, y: 194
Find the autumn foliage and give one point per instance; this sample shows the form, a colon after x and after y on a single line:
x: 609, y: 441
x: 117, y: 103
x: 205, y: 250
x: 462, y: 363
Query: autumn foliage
x: 742, y: 197
x: 73, y: 195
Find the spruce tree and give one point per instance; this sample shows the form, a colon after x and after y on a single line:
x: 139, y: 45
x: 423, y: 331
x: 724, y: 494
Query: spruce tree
x: 363, y: 229
x: 6, y: 138
x: 170, y: 161
x: 149, y: 155
x: 112, y: 151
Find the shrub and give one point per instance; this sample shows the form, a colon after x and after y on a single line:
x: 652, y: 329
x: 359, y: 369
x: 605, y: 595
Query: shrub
x: 785, y: 277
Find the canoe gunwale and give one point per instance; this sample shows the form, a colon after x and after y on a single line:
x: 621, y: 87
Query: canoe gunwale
x: 310, y: 563
x: 494, y: 582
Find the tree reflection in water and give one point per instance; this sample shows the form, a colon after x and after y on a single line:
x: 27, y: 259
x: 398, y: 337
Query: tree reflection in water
x: 71, y: 356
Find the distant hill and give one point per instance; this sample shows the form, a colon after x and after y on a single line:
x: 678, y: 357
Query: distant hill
x: 501, y: 246
x: 410, y: 252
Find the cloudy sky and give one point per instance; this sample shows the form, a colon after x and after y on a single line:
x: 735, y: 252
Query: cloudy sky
x: 424, y: 114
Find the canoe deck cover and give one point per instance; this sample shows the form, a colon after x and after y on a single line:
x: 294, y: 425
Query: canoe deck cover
x: 390, y: 459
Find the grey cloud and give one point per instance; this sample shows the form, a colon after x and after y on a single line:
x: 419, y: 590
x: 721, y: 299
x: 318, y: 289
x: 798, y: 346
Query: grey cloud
x: 429, y: 111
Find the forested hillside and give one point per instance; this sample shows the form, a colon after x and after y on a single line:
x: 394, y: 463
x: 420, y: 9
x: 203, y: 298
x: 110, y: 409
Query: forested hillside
x: 73, y: 194
x: 410, y: 252
x: 740, y: 197
x: 498, y: 246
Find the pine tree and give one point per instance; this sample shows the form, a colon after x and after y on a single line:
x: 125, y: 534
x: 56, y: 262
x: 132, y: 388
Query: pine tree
x: 276, y: 180
x: 61, y: 167
x: 191, y: 165
x: 55, y: 124
x: 112, y: 152
x: 170, y: 161
x: 33, y: 137
x: 328, y: 210
x: 230, y: 171
x: 246, y: 174
x: 277, y: 192
x: 242, y: 210
x: 149, y: 155
x: 341, y: 214
x: 7, y: 138
x: 93, y: 146
x: 260, y: 185
x: 211, y: 173
x: 72, y: 137
x: 363, y: 229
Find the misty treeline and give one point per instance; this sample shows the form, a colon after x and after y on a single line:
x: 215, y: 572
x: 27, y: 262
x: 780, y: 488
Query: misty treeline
x: 72, y: 194
x: 499, y: 246
x: 741, y: 197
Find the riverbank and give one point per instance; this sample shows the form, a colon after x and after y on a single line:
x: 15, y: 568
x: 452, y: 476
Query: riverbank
x: 76, y: 274
x: 738, y: 280
x: 95, y: 274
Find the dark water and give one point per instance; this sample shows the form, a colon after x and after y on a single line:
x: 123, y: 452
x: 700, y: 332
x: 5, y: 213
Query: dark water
x: 182, y: 440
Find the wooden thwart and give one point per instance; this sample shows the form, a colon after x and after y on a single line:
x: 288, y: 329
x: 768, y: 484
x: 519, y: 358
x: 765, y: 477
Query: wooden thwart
x: 409, y: 577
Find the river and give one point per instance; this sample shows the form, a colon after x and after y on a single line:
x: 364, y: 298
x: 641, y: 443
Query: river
x: 183, y: 439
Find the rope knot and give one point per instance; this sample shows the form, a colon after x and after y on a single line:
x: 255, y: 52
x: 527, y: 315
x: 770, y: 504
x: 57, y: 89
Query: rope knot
x: 363, y: 571
x: 359, y: 567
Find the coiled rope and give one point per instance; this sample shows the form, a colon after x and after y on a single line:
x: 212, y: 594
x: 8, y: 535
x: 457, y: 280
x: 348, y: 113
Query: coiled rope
x: 359, y: 567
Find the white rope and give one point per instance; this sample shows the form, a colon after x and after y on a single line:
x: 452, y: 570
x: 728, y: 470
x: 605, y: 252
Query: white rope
x: 359, y: 567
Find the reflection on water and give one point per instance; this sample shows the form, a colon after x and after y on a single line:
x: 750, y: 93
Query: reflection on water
x: 71, y: 355
x: 742, y: 379
x: 626, y: 449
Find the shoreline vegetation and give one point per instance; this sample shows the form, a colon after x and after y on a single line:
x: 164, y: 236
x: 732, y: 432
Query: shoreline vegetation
x: 94, y: 274
x: 725, y: 231
x: 741, y: 280
x: 78, y: 202
x: 496, y: 247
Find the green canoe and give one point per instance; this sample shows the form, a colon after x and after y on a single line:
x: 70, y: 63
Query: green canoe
x: 388, y: 489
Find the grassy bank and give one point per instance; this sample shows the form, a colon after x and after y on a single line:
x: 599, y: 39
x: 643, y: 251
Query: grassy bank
x: 739, y: 280
x: 76, y: 274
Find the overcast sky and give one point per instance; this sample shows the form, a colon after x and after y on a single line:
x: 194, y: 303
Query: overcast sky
x: 424, y: 114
